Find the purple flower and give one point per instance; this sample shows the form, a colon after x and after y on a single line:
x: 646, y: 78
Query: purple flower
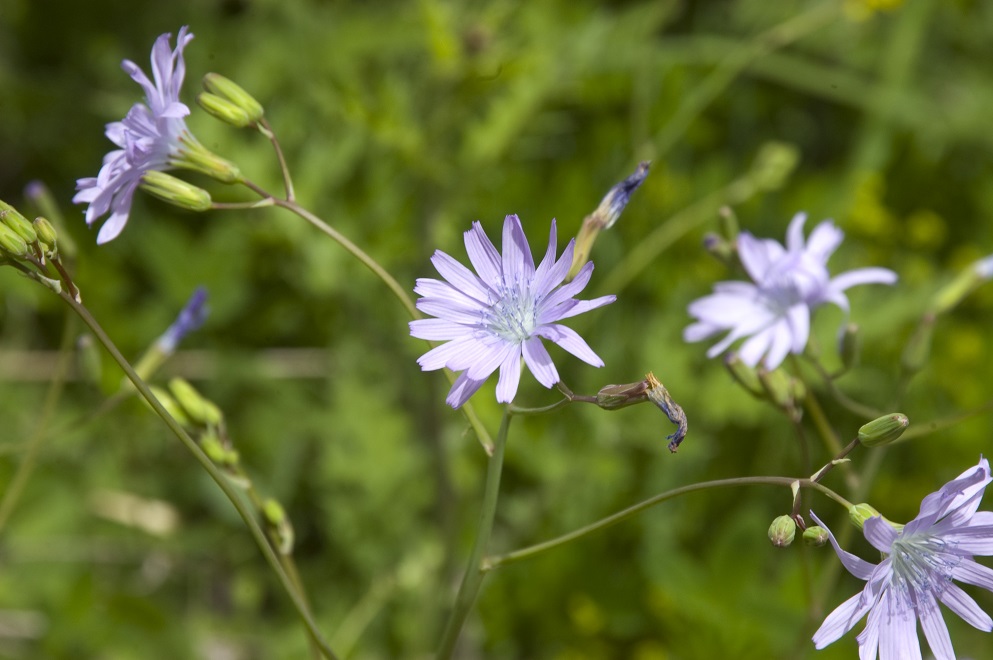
x: 492, y: 319
x: 190, y: 318
x: 920, y: 561
x: 789, y: 283
x: 149, y: 136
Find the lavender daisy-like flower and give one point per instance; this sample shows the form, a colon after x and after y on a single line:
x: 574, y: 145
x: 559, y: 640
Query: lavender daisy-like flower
x: 148, y: 137
x: 788, y: 283
x: 492, y: 318
x: 920, y: 561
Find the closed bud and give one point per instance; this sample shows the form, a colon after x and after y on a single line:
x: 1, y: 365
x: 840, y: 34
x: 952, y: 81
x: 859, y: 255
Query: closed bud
x: 273, y: 511
x: 859, y: 513
x: 11, y: 243
x: 46, y: 232
x: 169, y: 403
x: 773, y: 164
x: 211, y: 445
x: 175, y: 191
x: 815, y: 536
x: 782, y: 531
x: 884, y: 430
x: 194, y: 156
x: 17, y: 223
x: 615, y: 397
x: 950, y: 295
x: 196, y: 406
x: 782, y: 389
x: 231, y: 92
x: 850, y: 347
x: 224, y: 110
x: 729, y: 223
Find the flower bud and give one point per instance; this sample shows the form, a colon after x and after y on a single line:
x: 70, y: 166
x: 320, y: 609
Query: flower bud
x: 211, y: 445
x: 782, y: 531
x: 729, y: 222
x: 744, y: 375
x: 884, y: 430
x: 17, y: 222
x: 718, y: 247
x: 950, y: 295
x: 815, y: 536
x: 194, y: 156
x: 46, y: 232
x: 229, y: 91
x: 859, y: 513
x: 224, y: 110
x: 196, y: 406
x: 782, y: 389
x: 169, y: 403
x: 175, y: 191
x: 12, y: 243
x: 273, y: 511
x: 615, y: 397
x: 850, y: 346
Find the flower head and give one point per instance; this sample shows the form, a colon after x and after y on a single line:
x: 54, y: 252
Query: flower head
x: 149, y: 137
x: 492, y: 318
x: 920, y: 562
x: 788, y: 283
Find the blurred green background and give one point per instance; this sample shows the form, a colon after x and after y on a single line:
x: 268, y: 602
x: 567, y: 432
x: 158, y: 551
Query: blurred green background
x: 403, y: 122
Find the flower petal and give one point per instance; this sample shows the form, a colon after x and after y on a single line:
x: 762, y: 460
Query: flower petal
x: 540, y: 363
x: 570, y: 341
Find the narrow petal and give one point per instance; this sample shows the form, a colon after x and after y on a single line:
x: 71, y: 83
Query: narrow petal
x: 572, y: 308
x: 439, y: 330
x: 539, y: 362
x: 463, y: 388
x: 798, y: 317
x: 970, y: 572
x: 518, y: 264
x: 879, y: 533
x: 962, y: 604
x: 483, y: 256
x: 460, y: 277
x: 545, y: 267
x: 510, y: 378
x: 841, y: 620
x: 783, y: 341
x: 935, y: 630
x: 856, y: 565
x: 755, y: 348
x: 794, y: 233
x: 824, y: 240
x: 863, y: 276
x: 439, y: 356
x: 897, y: 629
x: 570, y: 341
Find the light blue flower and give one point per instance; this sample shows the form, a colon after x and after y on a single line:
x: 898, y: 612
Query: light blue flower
x: 492, y: 318
x: 788, y: 283
x: 920, y: 561
x: 149, y: 137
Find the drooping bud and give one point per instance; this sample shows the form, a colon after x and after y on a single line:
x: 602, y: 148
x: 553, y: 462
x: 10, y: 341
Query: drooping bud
x: 658, y: 395
x: 918, y: 349
x: 850, y: 346
x: 615, y: 397
x: 884, y: 430
x: 815, y: 535
x: 196, y: 406
x: 17, y: 223
x: 604, y: 217
x: 231, y: 92
x: 175, y: 191
x: 782, y: 531
x: 859, y: 513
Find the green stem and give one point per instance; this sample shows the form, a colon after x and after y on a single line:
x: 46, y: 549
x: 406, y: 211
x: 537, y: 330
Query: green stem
x: 246, y: 515
x: 489, y: 563
x: 26, y: 466
x: 475, y: 570
x: 829, y: 436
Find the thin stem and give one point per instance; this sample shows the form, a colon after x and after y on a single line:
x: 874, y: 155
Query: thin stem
x: 26, y: 466
x: 829, y: 436
x: 489, y: 563
x: 843, y: 400
x: 246, y: 515
x: 475, y: 570
x: 287, y: 181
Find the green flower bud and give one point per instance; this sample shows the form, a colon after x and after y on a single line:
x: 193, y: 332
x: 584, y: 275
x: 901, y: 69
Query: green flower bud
x: 224, y: 110
x: 859, y: 513
x: 773, y: 164
x: 782, y: 531
x: 273, y: 512
x: 46, y: 232
x: 229, y: 91
x: 884, y: 430
x: 175, y: 191
x: 729, y: 222
x: 170, y: 405
x: 196, y: 406
x: 194, y: 156
x: 12, y: 243
x: 17, y: 222
x: 744, y: 375
x: 815, y: 536
x: 211, y: 445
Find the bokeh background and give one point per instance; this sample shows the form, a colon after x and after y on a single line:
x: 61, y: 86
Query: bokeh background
x: 403, y: 122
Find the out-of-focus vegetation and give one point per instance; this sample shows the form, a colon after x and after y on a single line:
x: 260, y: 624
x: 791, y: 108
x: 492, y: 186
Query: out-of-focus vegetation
x: 403, y: 122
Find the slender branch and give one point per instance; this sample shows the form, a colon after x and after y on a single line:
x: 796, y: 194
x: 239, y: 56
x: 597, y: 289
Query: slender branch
x: 490, y: 563
x: 287, y: 181
x: 26, y: 466
x: 475, y: 571
x: 246, y: 515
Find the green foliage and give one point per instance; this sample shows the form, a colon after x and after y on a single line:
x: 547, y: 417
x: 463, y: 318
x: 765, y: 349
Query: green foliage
x: 402, y: 122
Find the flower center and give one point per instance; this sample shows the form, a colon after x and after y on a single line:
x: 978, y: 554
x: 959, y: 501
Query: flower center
x: 921, y: 563
x: 514, y: 316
